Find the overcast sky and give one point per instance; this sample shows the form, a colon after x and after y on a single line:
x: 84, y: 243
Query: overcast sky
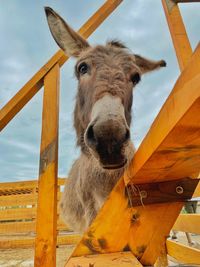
x: 26, y: 44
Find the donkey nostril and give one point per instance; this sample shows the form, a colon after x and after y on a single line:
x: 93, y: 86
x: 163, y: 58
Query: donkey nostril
x: 90, y: 135
x: 127, y: 136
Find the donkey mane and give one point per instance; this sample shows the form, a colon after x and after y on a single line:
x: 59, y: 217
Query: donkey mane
x: 116, y: 43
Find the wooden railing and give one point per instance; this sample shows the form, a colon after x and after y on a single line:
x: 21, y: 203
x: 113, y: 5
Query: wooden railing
x: 48, y: 76
x: 143, y: 168
x: 18, y: 214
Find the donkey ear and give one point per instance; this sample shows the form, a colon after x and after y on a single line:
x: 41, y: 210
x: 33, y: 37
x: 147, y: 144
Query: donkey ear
x: 67, y: 39
x: 147, y: 65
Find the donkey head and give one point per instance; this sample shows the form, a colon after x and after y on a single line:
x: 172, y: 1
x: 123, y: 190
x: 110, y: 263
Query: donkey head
x: 106, y: 78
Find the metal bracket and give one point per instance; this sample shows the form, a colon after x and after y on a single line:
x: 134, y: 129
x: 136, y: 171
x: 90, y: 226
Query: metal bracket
x: 161, y: 192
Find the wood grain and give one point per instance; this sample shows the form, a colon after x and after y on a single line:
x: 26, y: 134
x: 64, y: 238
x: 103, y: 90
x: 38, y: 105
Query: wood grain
x: 45, y: 245
x: 182, y: 253
x: 120, y: 259
x: 188, y: 223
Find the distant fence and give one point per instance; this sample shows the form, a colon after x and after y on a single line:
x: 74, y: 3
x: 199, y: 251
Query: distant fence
x: 18, y: 209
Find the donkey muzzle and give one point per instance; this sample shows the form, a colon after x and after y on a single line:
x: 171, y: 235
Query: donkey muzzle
x: 107, y: 141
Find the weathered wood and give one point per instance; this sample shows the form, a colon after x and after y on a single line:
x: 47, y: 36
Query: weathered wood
x: 161, y: 192
x: 183, y: 254
x: 36, y: 82
x: 121, y: 259
x: 161, y: 156
x: 45, y: 246
x: 24, y: 242
x: 178, y: 33
x: 188, y: 223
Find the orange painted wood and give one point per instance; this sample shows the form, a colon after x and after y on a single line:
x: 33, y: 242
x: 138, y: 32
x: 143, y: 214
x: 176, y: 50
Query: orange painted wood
x: 17, y: 214
x: 36, y: 82
x: 188, y: 223
x: 25, y: 242
x: 120, y: 259
x: 170, y: 150
x: 25, y: 184
x: 171, y: 147
x: 178, y: 33
x: 46, y: 223
x: 182, y: 253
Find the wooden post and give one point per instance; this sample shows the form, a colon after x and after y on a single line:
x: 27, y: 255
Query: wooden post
x: 178, y: 33
x: 45, y: 245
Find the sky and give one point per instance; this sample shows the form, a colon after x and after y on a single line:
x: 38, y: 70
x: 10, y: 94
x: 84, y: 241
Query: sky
x: 26, y: 44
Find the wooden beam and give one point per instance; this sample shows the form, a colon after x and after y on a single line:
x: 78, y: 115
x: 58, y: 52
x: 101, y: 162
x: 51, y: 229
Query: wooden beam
x: 23, y: 242
x: 183, y: 254
x: 178, y: 33
x: 161, y: 156
x: 46, y: 223
x: 177, y: 157
x: 36, y: 82
x: 121, y: 259
x: 188, y: 223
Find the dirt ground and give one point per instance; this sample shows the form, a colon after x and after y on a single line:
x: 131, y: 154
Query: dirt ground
x: 27, y: 254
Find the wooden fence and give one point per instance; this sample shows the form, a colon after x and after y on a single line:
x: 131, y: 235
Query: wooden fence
x: 18, y: 212
x: 143, y: 231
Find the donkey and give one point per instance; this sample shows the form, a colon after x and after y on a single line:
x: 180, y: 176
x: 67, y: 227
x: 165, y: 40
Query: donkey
x: 102, y: 117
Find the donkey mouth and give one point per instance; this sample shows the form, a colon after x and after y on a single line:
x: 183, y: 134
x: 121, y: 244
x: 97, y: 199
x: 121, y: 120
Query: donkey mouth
x: 115, y: 166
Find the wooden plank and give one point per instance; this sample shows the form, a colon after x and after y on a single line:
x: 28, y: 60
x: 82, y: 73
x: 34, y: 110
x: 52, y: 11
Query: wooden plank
x: 178, y: 33
x: 188, y: 223
x: 18, y: 200
x: 36, y: 82
x: 178, y: 158
x: 183, y: 254
x: 29, y: 242
x: 121, y: 259
x: 25, y: 184
x: 45, y: 246
x: 161, y: 192
x: 17, y: 227
x: 24, y: 227
x: 161, y: 156
x: 16, y: 214
x: 19, y: 185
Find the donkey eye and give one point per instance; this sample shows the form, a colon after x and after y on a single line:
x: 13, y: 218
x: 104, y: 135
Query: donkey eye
x: 135, y: 78
x: 83, y: 68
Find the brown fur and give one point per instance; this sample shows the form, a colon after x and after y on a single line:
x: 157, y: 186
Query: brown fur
x: 110, y: 72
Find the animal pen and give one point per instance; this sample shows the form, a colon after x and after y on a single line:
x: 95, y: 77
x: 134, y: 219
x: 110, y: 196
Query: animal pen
x: 132, y: 227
